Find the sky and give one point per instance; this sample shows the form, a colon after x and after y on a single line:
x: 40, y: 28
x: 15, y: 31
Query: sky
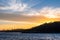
x: 30, y: 13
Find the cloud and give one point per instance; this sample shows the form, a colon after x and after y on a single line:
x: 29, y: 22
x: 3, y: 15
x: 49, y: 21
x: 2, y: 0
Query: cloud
x: 19, y: 5
x: 31, y: 13
x: 49, y: 12
x: 14, y: 22
x: 15, y: 7
x: 26, y: 10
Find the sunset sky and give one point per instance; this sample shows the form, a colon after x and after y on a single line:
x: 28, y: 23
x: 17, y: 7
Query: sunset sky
x: 25, y: 14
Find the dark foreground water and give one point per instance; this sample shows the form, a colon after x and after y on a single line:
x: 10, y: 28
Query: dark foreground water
x: 28, y: 36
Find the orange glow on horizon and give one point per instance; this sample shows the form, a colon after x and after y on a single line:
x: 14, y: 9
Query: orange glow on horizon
x: 16, y: 26
x: 27, y: 26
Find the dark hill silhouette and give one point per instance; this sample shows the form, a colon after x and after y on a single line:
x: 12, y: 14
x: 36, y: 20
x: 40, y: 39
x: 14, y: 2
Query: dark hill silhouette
x: 44, y: 28
x: 47, y: 28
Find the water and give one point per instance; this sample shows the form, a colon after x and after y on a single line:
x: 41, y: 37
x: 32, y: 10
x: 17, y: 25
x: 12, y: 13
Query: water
x: 28, y: 36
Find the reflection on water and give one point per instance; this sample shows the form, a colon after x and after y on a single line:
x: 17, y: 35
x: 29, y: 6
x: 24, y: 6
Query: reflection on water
x: 28, y: 36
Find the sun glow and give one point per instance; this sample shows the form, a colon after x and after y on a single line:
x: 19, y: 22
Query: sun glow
x: 10, y: 25
x: 16, y: 26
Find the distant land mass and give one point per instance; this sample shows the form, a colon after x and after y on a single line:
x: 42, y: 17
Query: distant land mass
x: 52, y: 27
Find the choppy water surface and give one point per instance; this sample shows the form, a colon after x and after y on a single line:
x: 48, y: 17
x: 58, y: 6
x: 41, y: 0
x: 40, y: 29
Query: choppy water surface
x: 28, y: 36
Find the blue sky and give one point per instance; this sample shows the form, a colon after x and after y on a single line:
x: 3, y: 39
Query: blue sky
x: 34, y: 4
